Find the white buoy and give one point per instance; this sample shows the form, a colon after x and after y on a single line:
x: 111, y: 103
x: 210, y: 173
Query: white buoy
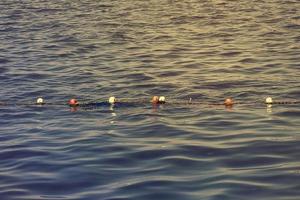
x: 112, y: 100
x: 269, y: 100
x: 40, y: 100
x: 162, y: 99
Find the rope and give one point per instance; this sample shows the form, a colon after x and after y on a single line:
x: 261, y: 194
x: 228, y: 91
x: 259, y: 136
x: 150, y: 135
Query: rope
x: 112, y: 101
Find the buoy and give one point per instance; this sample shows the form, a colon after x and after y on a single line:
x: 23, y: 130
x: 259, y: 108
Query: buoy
x: 73, y: 102
x: 40, y: 101
x: 155, y: 100
x: 228, y: 102
x: 162, y: 99
x: 112, y: 100
x: 269, y: 100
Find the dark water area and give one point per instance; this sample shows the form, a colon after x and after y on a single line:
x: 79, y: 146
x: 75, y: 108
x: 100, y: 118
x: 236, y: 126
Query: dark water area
x: 205, y: 50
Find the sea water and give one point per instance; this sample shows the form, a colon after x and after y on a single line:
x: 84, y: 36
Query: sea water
x: 204, y: 50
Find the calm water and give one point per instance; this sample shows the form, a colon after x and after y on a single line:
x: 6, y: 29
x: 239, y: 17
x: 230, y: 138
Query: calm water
x: 205, y: 50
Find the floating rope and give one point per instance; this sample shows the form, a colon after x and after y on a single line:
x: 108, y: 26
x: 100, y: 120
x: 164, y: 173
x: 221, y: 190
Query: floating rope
x: 156, y: 100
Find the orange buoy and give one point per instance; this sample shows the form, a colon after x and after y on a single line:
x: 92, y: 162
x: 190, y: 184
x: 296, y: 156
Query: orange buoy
x: 73, y: 102
x: 155, y: 100
x: 228, y: 102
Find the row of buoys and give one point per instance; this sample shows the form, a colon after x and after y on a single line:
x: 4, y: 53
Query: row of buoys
x: 113, y: 100
x: 155, y: 100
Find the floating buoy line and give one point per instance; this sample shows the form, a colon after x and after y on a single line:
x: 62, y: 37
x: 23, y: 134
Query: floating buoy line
x: 155, y: 100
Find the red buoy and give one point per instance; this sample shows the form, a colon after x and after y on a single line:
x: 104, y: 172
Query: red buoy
x: 73, y: 102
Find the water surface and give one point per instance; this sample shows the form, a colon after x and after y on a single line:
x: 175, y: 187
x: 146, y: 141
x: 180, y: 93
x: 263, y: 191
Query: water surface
x: 204, y: 50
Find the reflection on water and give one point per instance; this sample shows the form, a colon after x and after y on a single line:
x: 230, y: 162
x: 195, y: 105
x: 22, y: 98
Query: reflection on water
x: 269, y: 109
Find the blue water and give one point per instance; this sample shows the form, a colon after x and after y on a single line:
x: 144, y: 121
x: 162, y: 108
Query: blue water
x: 205, y: 50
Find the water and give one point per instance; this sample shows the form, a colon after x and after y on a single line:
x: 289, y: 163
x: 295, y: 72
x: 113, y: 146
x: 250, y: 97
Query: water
x: 205, y: 50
